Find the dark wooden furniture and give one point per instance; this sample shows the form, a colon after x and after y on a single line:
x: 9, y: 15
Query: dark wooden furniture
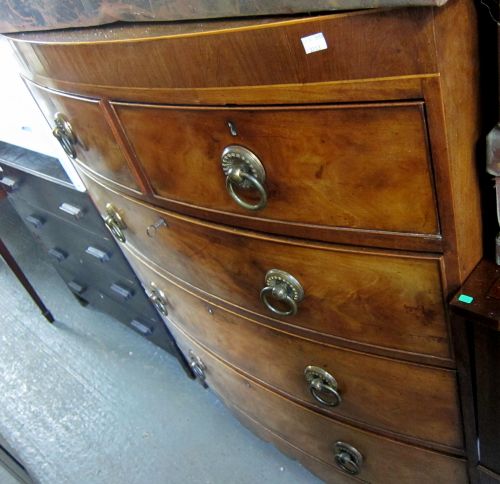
x: 477, y: 305
x: 302, y: 217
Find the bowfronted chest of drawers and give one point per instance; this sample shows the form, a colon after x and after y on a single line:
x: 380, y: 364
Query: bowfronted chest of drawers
x: 300, y: 219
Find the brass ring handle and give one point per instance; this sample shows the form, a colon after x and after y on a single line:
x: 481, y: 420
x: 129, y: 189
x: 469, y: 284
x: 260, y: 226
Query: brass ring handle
x: 198, y: 368
x: 160, y: 304
x: 115, y: 223
x: 63, y: 132
x: 317, y: 387
x: 235, y: 177
x: 114, y: 228
x: 277, y: 293
x: 284, y: 288
x: 158, y: 299
x: 323, y: 386
x: 64, y: 141
x: 348, y: 458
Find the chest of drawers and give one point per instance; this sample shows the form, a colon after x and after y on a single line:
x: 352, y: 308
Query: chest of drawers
x: 301, y: 218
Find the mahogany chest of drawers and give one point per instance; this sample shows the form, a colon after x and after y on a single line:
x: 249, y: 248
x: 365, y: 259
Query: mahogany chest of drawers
x: 301, y: 218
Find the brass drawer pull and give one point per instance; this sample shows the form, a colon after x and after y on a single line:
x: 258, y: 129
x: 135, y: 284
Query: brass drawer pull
x: 323, y: 386
x: 158, y: 299
x: 198, y: 368
x: 115, y: 223
x: 153, y: 228
x: 63, y: 132
x: 284, y: 288
x: 348, y: 458
x: 244, y: 170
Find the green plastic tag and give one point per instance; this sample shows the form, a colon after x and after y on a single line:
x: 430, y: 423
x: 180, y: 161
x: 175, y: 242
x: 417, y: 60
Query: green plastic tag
x: 465, y: 299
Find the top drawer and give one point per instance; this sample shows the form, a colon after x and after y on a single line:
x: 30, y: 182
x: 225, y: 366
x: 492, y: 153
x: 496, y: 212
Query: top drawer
x: 128, y: 61
x: 352, y: 166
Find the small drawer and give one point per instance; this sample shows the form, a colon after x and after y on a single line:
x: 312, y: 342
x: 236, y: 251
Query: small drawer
x: 81, y: 128
x: 368, y: 456
x: 386, y: 299
x: 361, y: 167
x: 404, y: 398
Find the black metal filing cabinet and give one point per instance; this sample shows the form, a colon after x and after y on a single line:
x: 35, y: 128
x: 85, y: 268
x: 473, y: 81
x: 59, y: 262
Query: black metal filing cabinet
x: 73, y: 234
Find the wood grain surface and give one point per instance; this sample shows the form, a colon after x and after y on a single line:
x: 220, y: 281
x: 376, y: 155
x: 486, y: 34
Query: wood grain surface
x: 385, y: 460
x: 383, y: 298
x: 383, y: 43
x: 96, y: 145
x: 359, y: 166
x: 406, y: 399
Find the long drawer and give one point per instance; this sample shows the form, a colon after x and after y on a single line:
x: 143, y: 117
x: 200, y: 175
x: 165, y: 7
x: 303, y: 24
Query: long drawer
x: 375, y: 458
x: 355, y: 166
x: 386, y: 299
x: 405, y: 398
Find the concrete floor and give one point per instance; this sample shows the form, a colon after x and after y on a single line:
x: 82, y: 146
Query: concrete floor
x: 86, y: 400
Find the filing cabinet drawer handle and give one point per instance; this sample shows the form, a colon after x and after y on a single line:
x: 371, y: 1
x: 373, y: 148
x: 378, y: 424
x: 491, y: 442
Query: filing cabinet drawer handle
x: 124, y: 292
x: 141, y: 327
x: 9, y: 183
x: 72, y: 210
x: 348, y: 458
x: 115, y: 223
x: 244, y: 171
x: 63, y: 132
x: 282, y: 287
x: 198, y: 368
x: 58, y: 254
x: 323, y: 386
x: 36, y: 222
x: 99, y: 254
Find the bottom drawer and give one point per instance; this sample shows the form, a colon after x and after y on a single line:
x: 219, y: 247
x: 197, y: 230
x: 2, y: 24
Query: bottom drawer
x: 373, y: 458
x: 327, y: 473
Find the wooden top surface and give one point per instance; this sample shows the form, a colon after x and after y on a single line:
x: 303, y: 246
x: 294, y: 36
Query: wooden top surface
x: 19, y: 15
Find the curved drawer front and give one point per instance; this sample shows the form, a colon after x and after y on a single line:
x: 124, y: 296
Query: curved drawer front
x: 94, y: 143
x: 379, y: 298
x: 401, y: 397
x: 383, y: 460
x: 363, y: 167
x: 255, y: 52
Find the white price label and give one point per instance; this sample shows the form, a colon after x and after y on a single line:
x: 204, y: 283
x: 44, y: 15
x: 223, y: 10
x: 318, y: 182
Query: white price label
x: 314, y: 43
